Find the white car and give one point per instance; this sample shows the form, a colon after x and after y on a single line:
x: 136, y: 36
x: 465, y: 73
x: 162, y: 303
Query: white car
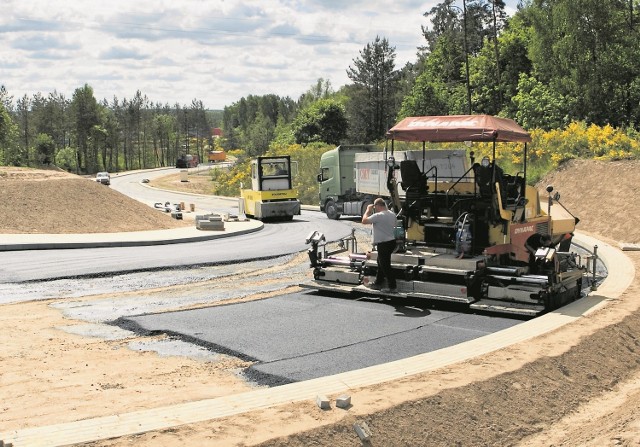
x: 104, y: 178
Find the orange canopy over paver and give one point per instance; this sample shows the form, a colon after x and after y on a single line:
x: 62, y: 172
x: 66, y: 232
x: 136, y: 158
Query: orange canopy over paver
x: 456, y: 128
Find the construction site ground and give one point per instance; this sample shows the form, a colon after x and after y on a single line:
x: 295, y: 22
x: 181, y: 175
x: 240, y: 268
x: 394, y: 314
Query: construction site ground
x: 577, y: 385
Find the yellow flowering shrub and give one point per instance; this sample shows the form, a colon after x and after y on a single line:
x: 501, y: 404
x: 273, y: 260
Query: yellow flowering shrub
x: 548, y: 149
x: 581, y: 141
x: 229, y: 181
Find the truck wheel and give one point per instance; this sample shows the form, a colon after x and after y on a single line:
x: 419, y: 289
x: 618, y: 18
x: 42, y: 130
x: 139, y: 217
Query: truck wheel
x: 332, y: 210
x: 365, y: 205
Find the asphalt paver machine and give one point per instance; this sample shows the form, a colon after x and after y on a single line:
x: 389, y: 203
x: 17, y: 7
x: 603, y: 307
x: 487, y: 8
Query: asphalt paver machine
x: 477, y: 236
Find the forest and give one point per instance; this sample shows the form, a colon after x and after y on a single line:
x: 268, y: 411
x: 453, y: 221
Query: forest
x: 566, y: 70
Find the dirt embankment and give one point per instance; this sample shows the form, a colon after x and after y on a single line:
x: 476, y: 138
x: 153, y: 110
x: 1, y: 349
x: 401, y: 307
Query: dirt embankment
x: 55, y: 202
x: 602, y: 194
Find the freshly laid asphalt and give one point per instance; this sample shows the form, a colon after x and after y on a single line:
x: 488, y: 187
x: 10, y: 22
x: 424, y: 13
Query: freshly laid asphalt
x: 302, y: 336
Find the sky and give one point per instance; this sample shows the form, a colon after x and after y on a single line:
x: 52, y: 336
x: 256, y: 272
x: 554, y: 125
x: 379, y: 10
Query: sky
x: 214, y: 51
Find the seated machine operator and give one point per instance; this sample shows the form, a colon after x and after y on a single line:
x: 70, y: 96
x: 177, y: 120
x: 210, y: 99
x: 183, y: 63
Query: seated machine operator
x: 533, y: 243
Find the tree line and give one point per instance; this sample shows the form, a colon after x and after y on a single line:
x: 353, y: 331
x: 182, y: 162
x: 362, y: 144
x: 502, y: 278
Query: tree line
x: 85, y: 136
x: 551, y: 64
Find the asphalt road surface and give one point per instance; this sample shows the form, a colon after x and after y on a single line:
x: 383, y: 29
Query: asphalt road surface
x: 304, y: 335
x: 131, y: 185
x: 273, y: 240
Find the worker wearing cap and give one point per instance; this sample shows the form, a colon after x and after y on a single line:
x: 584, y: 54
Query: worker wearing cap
x: 384, y: 223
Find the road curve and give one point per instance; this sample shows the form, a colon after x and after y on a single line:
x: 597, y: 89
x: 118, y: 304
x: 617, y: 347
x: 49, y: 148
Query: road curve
x: 130, y: 184
x: 274, y: 239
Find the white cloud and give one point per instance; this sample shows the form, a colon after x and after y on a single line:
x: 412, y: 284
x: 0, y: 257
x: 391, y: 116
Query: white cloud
x: 214, y: 50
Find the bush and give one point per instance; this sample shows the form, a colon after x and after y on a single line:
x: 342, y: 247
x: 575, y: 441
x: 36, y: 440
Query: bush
x: 579, y: 140
x: 229, y: 182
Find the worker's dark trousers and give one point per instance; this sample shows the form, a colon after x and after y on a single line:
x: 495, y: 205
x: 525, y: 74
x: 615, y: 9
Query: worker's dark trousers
x: 384, y: 263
